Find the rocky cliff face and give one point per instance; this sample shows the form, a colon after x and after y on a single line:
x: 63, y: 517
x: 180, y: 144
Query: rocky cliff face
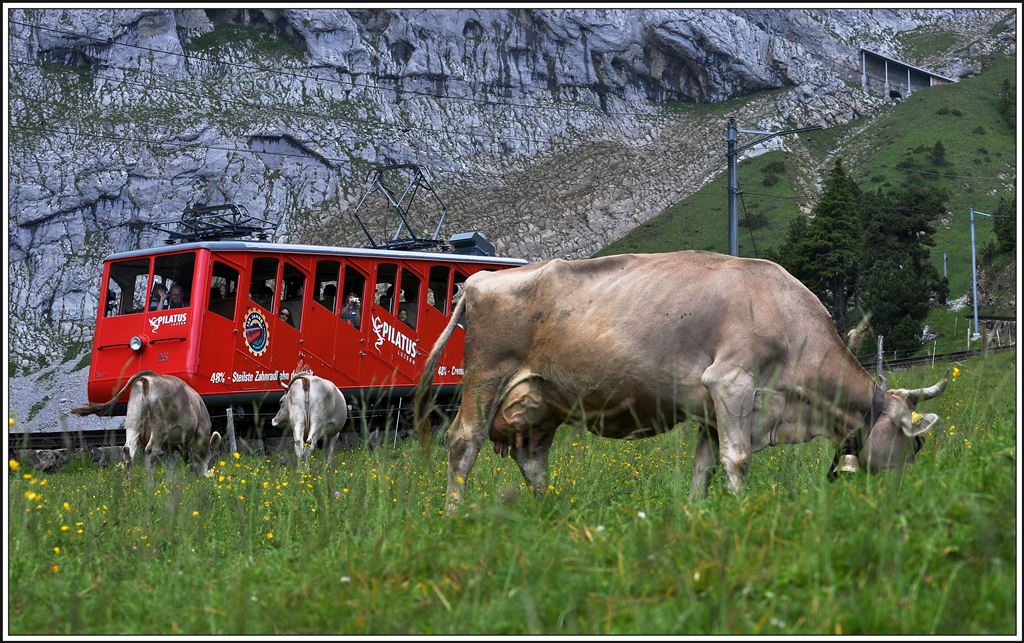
x: 553, y: 131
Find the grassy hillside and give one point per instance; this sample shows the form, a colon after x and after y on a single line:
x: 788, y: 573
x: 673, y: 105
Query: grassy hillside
x: 980, y: 153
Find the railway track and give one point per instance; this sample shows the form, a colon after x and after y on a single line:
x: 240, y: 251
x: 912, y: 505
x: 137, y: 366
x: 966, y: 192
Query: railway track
x: 907, y: 362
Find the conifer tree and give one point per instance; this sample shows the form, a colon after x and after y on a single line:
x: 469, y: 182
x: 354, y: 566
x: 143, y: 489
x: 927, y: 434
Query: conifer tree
x: 1005, y: 224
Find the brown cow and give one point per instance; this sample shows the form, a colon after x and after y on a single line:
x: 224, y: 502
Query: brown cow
x: 631, y: 345
x: 166, y: 415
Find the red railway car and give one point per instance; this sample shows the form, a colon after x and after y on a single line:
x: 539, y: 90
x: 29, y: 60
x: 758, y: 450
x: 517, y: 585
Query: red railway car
x: 236, y: 315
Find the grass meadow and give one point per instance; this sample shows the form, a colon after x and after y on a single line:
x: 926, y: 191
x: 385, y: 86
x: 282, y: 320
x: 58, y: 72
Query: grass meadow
x: 614, y: 548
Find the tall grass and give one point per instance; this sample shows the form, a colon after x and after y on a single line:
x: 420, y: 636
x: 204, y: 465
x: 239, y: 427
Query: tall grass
x: 614, y: 548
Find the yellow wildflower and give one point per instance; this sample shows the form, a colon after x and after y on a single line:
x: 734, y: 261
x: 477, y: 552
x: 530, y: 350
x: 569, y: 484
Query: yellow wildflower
x: 56, y: 550
x: 55, y: 567
x: 64, y: 527
x: 195, y: 514
x: 236, y: 455
x: 956, y: 372
x: 270, y: 535
x: 67, y: 506
x: 13, y: 464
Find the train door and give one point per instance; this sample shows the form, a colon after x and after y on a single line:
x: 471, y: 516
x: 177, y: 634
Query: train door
x: 436, y: 309
x: 289, y: 323
x: 170, y: 315
x: 381, y: 350
x: 113, y: 360
x: 221, y: 322
x: 350, y: 336
x: 256, y: 316
x: 452, y: 359
x: 321, y: 317
x: 407, y: 348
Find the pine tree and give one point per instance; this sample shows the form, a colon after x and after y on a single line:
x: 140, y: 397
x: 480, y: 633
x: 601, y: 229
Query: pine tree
x: 1005, y: 224
x: 824, y: 252
x: 938, y: 153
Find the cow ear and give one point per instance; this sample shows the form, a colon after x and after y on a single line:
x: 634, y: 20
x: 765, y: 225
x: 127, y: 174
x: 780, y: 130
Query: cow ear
x: 925, y: 425
x: 214, y: 440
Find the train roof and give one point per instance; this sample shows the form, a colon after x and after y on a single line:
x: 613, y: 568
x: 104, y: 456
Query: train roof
x: 255, y: 246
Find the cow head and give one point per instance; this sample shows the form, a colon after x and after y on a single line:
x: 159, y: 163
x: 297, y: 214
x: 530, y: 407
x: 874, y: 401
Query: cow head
x: 282, y: 413
x: 202, y: 454
x: 895, y: 439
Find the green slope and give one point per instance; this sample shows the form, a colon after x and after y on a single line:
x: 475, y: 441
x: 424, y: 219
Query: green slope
x: 980, y: 168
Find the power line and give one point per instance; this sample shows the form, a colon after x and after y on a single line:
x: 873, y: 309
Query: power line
x: 948, y: 176
x: 750, y: 228
x: 354, y: 84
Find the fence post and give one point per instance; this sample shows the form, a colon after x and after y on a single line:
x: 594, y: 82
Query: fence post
x: 878, y: 359
x: 231, y: 430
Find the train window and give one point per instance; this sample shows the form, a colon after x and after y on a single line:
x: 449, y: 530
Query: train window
x: 263, y: 282
x: 172, y: 281
x: 325, y: 288
x: 437, y: 288
x: 384, y: 293
x: 294, y: 282
x: 126, y: 287
x: 223, y: 287
x: 458, y: 286
x: 352, y: 308
x: 409, y: 298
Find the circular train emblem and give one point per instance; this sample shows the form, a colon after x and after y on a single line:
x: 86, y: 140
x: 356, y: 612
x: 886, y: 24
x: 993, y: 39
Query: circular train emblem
x: 257, y: 334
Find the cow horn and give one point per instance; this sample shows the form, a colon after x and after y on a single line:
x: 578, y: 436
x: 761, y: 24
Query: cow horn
x: 283, y: 385
x: 918, y: 394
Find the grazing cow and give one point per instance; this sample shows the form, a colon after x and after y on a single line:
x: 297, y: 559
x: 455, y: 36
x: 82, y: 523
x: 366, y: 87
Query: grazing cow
x: 315, y: 408
x: 630, y: 345
x: 165, y: 415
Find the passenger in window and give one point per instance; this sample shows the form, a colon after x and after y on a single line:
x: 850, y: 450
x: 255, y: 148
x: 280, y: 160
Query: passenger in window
x: 286, y: 315
x: 330, y: 291
x: 158, y: 300
x: 262, y: 294
x: 176, y: 297
x: 350, y: 312
x: 111, y: 303
x: 403, y: 316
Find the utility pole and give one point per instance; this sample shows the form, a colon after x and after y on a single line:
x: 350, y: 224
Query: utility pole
x: 974, y: 269
x: 734, y: 236
x: 733, y: 154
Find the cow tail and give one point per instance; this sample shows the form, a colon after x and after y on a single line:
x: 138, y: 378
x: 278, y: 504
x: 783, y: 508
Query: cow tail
x: 421, y: 400
x: 306, y: 422
x: 104, y: 408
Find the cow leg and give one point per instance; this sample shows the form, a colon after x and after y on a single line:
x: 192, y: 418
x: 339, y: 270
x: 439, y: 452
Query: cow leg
x: 705, y: 458
x: 532, y: 459
x: 330, y: 447
x: 732, y: 390
x: 464, y: 442
x: 300, y: 445
x: 153, y: 453
x: 170, y: 461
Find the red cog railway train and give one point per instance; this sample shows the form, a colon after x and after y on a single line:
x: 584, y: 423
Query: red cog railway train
x: 230, y: 317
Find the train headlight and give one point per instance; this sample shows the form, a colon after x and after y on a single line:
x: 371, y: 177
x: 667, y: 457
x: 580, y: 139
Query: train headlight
x: 136, y: 343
